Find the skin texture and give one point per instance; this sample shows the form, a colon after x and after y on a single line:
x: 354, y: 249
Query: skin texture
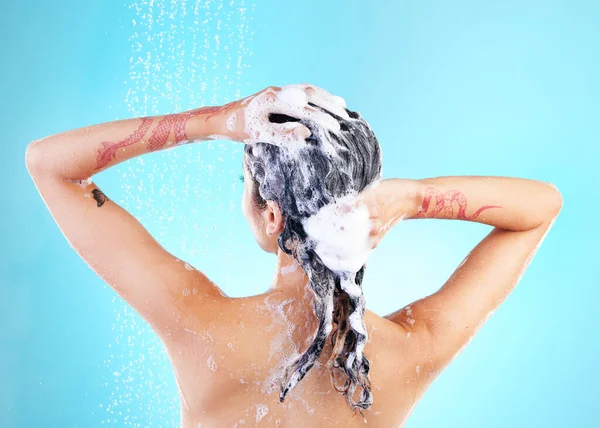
x: 444, y: 205
x: 175, y: 123
x: 227, y: 352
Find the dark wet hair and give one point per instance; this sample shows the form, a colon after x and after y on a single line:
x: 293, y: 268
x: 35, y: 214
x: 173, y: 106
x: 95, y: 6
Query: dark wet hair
x: 301, y: 184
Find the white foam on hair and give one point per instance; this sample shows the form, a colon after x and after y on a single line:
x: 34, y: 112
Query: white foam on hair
x: 341, y: 238
x: 333, y: 103
x: 338, y: 235
x: 291, y: 100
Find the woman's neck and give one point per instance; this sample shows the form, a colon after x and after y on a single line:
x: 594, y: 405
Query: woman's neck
x: 290, y: 278
x: 292, y: 286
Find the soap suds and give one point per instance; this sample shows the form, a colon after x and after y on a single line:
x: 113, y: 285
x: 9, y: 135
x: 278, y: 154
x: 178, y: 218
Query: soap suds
x: 211, y: 364
x: 282, y: 347
x: 341, y: 238
x: 291, y: 100
x: 289, y: 268
x: 261, y: 411
x: 231, y: 121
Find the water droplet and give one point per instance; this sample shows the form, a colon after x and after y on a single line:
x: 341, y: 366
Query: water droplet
x: 212, y: 365
x: 261, y: 411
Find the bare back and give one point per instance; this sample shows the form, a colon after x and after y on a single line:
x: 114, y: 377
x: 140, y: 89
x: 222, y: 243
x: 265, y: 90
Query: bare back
x: 228, y: 369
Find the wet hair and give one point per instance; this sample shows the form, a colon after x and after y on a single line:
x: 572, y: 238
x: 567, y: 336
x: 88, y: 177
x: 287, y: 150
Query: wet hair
x: 301, y: 183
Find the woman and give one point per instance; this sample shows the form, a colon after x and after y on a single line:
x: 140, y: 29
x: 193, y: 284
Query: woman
x: 269, y: 359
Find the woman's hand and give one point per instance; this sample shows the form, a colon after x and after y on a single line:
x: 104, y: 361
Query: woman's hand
x: 275, y: 115
x: 346, y: 231
x: 369, y: 198
x: 388, y: 201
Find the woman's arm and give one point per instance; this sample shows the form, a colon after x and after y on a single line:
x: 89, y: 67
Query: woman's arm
x: 83, y: 152
x: 113, y: 243
x: 522, y: 211
x: 504, y: 202
x: 162, y: 288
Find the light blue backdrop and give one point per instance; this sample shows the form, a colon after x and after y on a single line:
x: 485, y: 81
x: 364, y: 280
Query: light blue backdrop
x: 451, y: 88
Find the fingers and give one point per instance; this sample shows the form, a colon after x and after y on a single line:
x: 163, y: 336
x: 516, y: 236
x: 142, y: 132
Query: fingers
x: 293, y: 101
x: 293, y: 130
x: 330, y: 102
x: 279, y: 134
x: 322, y: 98
x: 300, y: 101
x: 307, y: 113
x: 375, y: 224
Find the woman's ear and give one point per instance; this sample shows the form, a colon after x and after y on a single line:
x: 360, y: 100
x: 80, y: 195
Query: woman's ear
x: 274, y: 220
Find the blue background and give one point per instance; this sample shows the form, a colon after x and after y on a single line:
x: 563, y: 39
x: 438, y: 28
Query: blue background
x: 451, y: 88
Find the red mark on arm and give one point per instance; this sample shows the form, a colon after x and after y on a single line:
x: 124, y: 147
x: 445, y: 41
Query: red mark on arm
x: 177, y: 122
x: 444, y: 205
x: 160, y: 134
x: 108, y: 150
x: 220, y: 109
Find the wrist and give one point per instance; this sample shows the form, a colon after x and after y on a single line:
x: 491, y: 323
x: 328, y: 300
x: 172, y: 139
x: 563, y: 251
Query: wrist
x: 407, y: 197
x: 414, y: 198
x: 202, y: 124
x: 216, y: 122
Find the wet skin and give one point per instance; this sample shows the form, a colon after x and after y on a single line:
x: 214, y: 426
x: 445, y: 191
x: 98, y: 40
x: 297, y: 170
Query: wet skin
x: 225, y: 352
x: 228, y: 361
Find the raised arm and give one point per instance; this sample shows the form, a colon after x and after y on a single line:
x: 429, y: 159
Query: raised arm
x: 112, y: 242
x: 521, y: 211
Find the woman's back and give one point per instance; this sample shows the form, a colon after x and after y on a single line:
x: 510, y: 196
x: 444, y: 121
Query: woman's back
x: 229, y: 362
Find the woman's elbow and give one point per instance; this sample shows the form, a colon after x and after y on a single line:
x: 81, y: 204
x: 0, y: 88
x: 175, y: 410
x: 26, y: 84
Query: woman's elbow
x: 34, y: 157
x: 556, y: 200
x: 31, y: 156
